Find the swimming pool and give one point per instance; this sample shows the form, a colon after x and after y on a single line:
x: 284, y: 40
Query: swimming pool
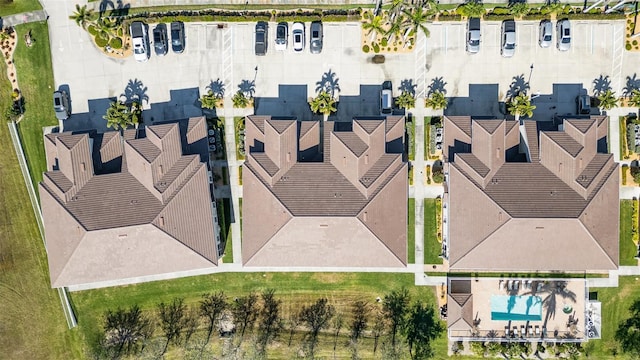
x: 516, y: 308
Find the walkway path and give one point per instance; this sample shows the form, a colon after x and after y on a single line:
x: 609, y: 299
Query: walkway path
x: 23, y: 18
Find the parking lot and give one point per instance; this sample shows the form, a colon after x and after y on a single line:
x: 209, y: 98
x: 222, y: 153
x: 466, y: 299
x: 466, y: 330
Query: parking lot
x: 284, y: 80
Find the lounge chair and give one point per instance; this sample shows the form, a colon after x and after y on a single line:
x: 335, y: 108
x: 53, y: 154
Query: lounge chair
x: 537, y: 330
x: 506, y: 331
x: 516, y: 285
x: 522, y: 330
x: 509, y: 285
x: 530, y: 331
x: 501, y: 285
x: 514, y: 333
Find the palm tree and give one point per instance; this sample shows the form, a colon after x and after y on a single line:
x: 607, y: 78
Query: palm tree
x: 472, y: 8
x: 634, y: 98
x: 417, y: 17
x: 209, y: 100
x: 240, y: 100
x: 324, y: 104
x: 518, y: 9
x: 436, y: 100
x: 374, y: 26
x: 106, y: 27
x: 406, y: 100
x: 82, y: 16
x: 521, y: 105
x: 608, y: 100
x: 119, y: 115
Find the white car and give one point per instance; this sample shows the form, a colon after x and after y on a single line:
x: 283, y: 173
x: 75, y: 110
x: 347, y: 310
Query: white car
x: 138, y: 32
x: 297, y: 31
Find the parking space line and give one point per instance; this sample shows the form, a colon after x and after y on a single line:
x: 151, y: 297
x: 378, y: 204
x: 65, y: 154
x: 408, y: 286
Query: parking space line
x: 227, y: 56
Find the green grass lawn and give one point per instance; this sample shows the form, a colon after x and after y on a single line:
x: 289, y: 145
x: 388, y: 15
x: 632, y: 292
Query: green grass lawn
x: 293, y: 289
x: 615, y: 309
x: 411, y: 232
x: 411, y: 132
x: 32, y: 324
x: 432, y: 248
x: 236, y: 126
x: 35, y: 77
x: 627, y: 248
x: 18, y: 6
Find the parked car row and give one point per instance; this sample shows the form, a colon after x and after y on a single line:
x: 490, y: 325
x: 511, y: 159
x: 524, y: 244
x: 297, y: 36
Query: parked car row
x: 508, y: 36
x: 140, y: 39
x: 298, y: 35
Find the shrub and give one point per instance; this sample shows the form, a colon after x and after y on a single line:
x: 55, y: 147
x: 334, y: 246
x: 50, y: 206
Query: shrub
x: 376, y: 48
x: 625, y: 168
x: 453, y: 17
x: 631, y: 138
x: 495, y: 17
x: 601, y: 16
x: 628, y: 46
x: 438, y: 177
x: 92, y: 30
x: 500, y: 11
x: 384, y: 42
x: 365, y: 48
x: 101, y: 42
x: 116, y: 43
x: 635, y: 42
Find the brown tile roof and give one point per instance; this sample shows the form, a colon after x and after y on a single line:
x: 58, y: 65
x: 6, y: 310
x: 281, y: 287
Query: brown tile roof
x: 265, y: 162
x: 281, y: 125
x: 369, y: 125
x: 490, y: 125
x: 565, y: 141
x: 316, y: 199
x: 462, y: 122
x: 593, y: 169
x: 306, y: 126
x: 580, y: 124
x: 509, y: 125
x: 391, y: 121
x: 528, y: 218
x: 475, y: 163
x: 352, y: 141
x: 145, y: 148
x: 119, y: 205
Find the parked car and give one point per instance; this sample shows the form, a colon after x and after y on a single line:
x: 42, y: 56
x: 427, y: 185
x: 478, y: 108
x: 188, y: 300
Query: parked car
x: 563, y: 40
x: 262, y: 35
x: 282, y: 36
x: 177, y: 36
x: 160, y: 41
x: 508, y: 47
x: 297, y: 31
x: 546, y: 31
x: 140, y: 40
x: 473, y: 35
x: 316, y: 37
x: 386, y: 98
x: 584, y: 104
x: 61, y: 105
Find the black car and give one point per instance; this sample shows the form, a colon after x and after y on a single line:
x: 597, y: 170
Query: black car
x: 160, y: 41
x: 261, y: 38
x: 177, y: 36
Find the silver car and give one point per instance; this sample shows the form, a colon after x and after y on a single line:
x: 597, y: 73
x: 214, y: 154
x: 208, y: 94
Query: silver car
x: 473, y: 35
x: 563, y: 40
x: 508, y: 43
x: 546, y: 31
x: 61, y: 105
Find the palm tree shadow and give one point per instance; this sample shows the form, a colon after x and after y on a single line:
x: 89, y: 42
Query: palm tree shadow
x: 121, y: 9
x: 601, y: 84
x: 407, y: 85
x: 135, y: 91
x: 247, y: 87
x: 555, y: 290
x: 104, y: 6
x: 437, y: 85
x: 518, y: 85
x: 632, y: 83
x: 329, y: 83
x: 217, y: 88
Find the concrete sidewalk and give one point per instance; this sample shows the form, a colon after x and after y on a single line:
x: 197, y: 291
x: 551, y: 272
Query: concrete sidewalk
x: 23, y: 18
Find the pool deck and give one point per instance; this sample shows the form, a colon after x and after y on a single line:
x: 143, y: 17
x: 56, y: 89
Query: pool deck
x: 482, y: 289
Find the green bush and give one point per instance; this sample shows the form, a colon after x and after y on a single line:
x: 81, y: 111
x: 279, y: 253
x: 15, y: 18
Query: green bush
x: 631, y: 138
x: 116, y: 43
x: 92, y: 30
x: 635, y: 42
x: 101, y: 42
x: 120, y: 31
x: 376, y: 48
x: 438, y: 177
x: 601, y: 16
x: 628, y: 46
x: 500, y: 11
x: 567, y: 9
x: 625, y: 167
x: 384, y: 42
x: 365, y: 49
x: 495, y: 17
x: 454, y: 17
x: 536, y: 16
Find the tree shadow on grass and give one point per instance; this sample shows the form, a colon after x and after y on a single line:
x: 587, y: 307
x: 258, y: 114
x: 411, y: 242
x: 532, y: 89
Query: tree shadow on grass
x: 601, y: 84
x: 437, y: 85
x: 217, y: 88
x: 518, y: 85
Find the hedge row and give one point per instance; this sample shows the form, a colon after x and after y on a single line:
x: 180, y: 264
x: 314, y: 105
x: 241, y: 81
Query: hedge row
x: 631, y: 139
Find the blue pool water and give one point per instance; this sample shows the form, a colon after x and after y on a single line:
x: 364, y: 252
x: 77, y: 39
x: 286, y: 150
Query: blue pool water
x: 516, y: 308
